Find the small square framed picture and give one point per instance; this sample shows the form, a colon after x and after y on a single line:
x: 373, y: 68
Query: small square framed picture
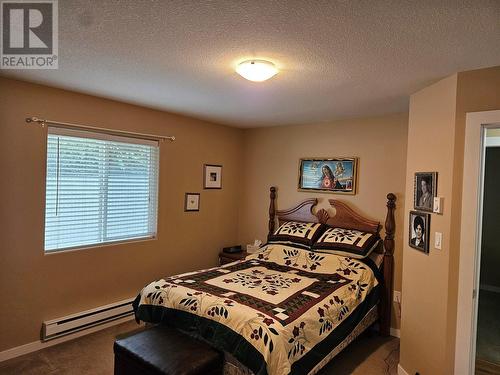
x: 425, y: 189
x: 419, y: 231
x: 212, y: 176
x: 192, y: 202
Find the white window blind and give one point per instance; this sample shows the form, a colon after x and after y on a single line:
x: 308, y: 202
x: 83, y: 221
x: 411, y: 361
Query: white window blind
x: 100, y: 188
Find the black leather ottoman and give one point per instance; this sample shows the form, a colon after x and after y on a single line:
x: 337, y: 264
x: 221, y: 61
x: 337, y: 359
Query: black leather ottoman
x: 166, y: 351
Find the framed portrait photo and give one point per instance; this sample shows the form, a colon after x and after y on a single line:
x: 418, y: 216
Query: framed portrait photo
x: 335, y: 175
x: 212, y: 176
x: 419, y: 231
x: 192, y: 202
x: 425, y: 189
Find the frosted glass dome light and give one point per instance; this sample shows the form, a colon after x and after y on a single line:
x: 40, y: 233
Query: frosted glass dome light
x: 256, y: 70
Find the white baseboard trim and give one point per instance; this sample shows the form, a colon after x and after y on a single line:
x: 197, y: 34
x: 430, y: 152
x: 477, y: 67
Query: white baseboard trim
x: 401, y: 370
x: 395, y: 332
x: 490, y: 288
x: 38, y: 345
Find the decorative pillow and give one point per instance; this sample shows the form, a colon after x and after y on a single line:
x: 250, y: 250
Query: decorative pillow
x: 347, y: 242
x: 297, y: 233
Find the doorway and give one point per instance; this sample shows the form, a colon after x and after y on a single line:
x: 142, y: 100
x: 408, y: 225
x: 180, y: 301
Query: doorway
x: 470, y: 338
x: 488, y: 312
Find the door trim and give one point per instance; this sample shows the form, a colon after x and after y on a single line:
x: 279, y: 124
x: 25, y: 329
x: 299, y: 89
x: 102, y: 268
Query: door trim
x: 468, y: 280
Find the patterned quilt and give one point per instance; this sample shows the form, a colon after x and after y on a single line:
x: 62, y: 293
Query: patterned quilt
x: 278, y: 312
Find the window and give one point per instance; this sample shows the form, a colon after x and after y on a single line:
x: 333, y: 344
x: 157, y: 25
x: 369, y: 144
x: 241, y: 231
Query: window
x: 100, y: 188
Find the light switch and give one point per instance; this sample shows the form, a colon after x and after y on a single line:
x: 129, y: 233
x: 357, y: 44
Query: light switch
x: 438, y: 205
x: 438, y: 239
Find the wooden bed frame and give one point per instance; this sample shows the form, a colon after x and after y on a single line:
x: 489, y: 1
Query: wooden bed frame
x: 347, y: 218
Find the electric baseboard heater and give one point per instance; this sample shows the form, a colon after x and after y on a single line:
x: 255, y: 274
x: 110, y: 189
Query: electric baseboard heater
x: 66, y: 325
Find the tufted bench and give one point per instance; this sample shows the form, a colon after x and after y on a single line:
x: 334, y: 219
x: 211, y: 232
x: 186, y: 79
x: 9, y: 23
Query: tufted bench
x: 163, y: 350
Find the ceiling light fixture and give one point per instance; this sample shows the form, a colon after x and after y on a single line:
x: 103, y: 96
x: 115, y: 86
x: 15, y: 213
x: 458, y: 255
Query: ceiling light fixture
x: 256, y: 70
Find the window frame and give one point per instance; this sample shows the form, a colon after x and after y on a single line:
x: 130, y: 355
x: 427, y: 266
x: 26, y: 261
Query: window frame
x: 100, y: 135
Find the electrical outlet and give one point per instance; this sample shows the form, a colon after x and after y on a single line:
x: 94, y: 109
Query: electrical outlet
x: 397, y: 300
x: 397, y: 296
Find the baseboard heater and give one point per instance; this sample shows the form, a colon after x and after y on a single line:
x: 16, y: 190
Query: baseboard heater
x: 52, y: 329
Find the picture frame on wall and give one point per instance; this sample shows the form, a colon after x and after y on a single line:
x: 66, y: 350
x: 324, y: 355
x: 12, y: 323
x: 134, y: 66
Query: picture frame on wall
x: 332, y: 175
x: 212, y: 176
x: 425, y: 189
x: 192, y: 202
x: 419, y: 231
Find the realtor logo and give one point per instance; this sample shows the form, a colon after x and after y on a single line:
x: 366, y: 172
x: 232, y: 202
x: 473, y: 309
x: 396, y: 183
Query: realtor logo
x: 29, y: 34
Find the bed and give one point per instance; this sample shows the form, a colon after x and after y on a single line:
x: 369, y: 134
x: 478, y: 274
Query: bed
x: 290, y: 308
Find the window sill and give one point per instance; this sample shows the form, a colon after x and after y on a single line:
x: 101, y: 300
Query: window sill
x: 104, y: 244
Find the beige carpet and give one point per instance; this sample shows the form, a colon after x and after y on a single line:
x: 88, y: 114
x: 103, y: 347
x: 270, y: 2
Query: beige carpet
x: 93, y: 354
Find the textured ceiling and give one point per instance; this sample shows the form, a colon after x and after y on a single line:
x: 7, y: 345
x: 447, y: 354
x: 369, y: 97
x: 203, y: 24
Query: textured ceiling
x: 338, y: 59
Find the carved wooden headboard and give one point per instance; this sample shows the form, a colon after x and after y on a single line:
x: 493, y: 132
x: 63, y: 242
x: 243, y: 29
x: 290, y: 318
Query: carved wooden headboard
x: 345, y: 217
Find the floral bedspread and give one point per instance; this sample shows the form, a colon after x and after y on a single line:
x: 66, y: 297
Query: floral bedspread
x: 277, y: 311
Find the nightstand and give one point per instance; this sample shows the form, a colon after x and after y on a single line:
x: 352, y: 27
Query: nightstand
x: 225, y: 258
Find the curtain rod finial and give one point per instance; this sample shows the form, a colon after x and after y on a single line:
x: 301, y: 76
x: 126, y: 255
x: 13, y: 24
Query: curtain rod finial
x: 35, y: 119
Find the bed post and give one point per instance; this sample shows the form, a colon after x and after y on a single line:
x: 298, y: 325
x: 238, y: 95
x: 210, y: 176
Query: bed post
x: 272, y: 210
x: 386, y: 302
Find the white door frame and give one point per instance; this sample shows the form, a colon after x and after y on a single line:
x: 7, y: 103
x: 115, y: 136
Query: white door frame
x: 470, y: 238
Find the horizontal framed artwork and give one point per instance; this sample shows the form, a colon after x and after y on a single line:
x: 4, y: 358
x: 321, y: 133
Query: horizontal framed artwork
x: 192, y: 202
x: 212, y: 176
x: 335, y: 175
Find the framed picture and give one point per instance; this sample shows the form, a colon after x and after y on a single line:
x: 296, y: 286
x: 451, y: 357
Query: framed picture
x: 192, y: 202
x: 212, y: 176
x: 336, y: 175
x: 425, y: 189
x: 419, y: 231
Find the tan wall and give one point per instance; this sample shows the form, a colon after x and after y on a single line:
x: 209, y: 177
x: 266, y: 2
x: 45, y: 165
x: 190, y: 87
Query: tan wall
x: 35, y: 287
x: 425, y: 277
x: 271, y: 158
x: 430, y: 282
